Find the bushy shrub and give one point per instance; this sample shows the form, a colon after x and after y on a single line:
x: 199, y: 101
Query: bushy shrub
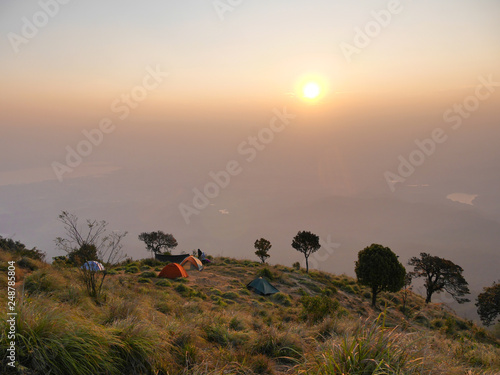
x: 219, y: 301
x: 281, y: 346
x: 61, y: 261
x: 136, y: 346
x: 371, y: 349
x: 296, y: 266
x: 260, y: 364
x: 132, y: 269
x: 311, y: 286
x: 164, y: 282
x: 422, y: 320
x: 316, y: 308
x: 437, y: 323
x: 267, y: 273
x: 463, y: 324
x: 185, y: 347
x: 29, y: 263
x: 351, y: 289
x: 165, y: 306
x: 183, y: 289
x: 70, y: 295
x: 230, y: 295
x: 144, y: 280
x: 236, y: 324
x: 330, y: 291
x: 120, y: 309
x: 282, y: 299
x: 151, y: 262
x: 40, y: 332
x: 41, y: 281
x: 217, y: 333
x: 302, y: 292
x: 19, y: 249
x: 186, y: 291
x: 245, y: 292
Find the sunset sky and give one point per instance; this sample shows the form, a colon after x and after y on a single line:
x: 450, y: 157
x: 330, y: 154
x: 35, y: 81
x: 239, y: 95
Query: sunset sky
x: 221, y: 73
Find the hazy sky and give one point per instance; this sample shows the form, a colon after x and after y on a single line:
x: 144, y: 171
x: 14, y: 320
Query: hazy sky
x: 174, y: 90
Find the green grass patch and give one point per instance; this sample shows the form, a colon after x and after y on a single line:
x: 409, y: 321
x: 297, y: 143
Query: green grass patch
x: 163, y: 282
x: 132, y: 269
x: 282, y: 299
x: 148, y: 275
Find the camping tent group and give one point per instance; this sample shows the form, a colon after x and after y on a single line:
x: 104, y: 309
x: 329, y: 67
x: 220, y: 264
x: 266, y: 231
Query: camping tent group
x: 188, y: 263
x: 175, y: 270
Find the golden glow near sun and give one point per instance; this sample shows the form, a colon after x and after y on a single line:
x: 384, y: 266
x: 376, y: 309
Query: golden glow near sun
x: 311, y: 90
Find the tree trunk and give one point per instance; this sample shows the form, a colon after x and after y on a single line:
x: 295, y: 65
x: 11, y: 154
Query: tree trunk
x: 429, y: 296
x: 307, y: 264
x: 405, y: 297
x: 374, y: 297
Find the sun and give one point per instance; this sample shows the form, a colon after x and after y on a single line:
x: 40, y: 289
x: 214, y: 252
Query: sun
x: 311, y: 90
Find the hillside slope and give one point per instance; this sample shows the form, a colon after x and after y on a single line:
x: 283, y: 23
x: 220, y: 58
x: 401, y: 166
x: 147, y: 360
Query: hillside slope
x: 210, y: 323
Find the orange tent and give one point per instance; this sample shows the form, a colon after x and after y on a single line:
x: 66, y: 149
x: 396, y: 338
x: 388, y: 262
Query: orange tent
x: 191, y: 263
x: 173, y: 271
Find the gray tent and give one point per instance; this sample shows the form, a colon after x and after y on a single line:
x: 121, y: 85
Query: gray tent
x: 262, y: 286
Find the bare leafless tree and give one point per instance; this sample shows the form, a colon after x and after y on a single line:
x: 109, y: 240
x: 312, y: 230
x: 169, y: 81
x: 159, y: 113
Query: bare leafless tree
x: 109, y: 247
x: 86, y: 242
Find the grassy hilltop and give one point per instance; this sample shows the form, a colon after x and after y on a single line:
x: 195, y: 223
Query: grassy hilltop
x: 210, y: 323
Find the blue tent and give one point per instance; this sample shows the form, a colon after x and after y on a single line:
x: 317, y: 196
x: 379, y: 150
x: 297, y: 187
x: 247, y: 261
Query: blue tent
x: 92, y: 265
x: 262, y: 286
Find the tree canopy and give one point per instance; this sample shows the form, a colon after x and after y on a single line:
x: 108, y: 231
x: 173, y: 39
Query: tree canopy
x: 83, y: 254
x: 306, y: 243
x: 262, y: 246
x: 379, y: 268
x: 488, y: 304
x: 156, y: 241
x: 440, y: 275
x: 16, y: 247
